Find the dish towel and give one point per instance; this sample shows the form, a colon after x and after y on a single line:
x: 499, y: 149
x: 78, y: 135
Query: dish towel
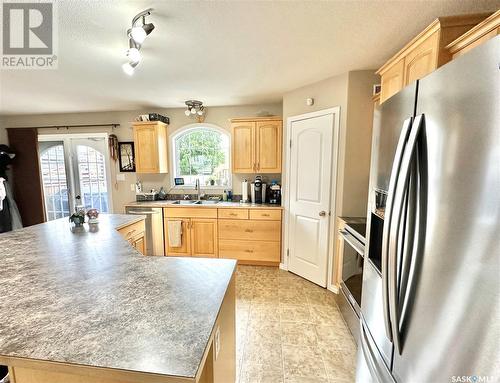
x: 175, y: 233
x: 3, y: 192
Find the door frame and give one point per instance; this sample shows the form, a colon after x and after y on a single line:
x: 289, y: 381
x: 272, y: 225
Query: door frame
x: 335, y: 111
x: 66, y: 139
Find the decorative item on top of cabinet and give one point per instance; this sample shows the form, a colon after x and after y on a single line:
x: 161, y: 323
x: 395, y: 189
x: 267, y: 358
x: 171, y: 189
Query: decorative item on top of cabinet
x: 256, y: 144
x: 151, y: 147
x: 482, y: 32
x: 425, y: 53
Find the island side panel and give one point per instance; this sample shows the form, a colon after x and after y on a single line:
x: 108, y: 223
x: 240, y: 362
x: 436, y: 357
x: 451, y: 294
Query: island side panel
x: 220, y: 361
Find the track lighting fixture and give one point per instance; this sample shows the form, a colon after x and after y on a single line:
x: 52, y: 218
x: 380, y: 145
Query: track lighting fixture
x: 137, y: 34
x: 195, y: 108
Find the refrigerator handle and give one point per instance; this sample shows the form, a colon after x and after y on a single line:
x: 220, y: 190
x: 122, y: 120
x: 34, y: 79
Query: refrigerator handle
x: 378, y: 369
x: 400, y: 197
x: 393, y: 181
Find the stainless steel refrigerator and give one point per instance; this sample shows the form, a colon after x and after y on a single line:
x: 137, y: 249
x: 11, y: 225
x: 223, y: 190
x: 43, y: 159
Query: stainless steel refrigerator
x: 430, y: 309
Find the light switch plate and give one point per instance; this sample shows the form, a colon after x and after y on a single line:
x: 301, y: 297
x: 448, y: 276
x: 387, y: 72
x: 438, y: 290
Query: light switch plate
x: 217, y: 342
x: 120, y: 177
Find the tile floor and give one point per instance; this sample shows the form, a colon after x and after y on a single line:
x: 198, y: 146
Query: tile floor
x: 289, y: 330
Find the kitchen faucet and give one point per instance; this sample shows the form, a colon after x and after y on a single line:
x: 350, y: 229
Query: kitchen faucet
x: 198, y: 188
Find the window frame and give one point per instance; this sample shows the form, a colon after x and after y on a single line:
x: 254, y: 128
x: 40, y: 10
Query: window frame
x: 191, y: 127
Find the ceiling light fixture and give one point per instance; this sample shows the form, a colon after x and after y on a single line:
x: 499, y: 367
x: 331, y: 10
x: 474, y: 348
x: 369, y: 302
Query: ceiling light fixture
x: 137, y: 34
x: 195, y: 108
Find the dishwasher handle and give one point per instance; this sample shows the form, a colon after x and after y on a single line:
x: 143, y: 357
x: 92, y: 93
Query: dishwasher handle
x: 140, y: 212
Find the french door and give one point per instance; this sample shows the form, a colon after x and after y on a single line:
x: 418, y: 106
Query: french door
x: 75, y: 174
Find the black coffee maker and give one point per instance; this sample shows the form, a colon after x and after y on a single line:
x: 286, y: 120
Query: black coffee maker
x: 275, y: 193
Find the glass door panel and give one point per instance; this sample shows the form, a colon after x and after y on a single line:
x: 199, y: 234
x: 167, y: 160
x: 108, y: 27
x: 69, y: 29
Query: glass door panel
x: 54, y: 180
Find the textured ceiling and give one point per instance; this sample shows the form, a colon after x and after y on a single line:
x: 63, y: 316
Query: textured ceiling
x: 221, y: 52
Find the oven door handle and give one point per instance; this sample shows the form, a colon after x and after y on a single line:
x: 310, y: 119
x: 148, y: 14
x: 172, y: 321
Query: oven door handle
x: 351, y: 240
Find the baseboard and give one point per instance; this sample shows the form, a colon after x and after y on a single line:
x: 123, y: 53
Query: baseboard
x: 333, y: 289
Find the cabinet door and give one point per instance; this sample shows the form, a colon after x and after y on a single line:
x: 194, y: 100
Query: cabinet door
x: 140, y: 245
x: 268, y: 142
x: 423, y: 59
x: 392, y: 80
x: 204, y: 237
x: 146, y: 149
x: 243, y: 147
x: 185, y: 248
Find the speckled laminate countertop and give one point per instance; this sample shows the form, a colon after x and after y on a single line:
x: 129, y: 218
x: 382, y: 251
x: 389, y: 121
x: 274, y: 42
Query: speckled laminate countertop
x: 89, y: 298
x: 222, y: 204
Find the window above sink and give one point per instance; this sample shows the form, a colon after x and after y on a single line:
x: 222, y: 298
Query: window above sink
x: 202, y: 151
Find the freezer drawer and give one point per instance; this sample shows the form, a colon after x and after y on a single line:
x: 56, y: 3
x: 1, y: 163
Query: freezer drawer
x: 370, y: 366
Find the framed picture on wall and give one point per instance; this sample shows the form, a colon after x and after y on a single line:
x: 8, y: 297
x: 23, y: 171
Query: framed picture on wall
x: 126, y: 156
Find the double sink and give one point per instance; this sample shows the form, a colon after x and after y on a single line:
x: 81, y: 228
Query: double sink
x: 196, y: 202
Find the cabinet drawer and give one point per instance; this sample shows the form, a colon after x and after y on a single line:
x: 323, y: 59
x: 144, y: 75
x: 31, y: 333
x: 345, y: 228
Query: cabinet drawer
x: 250, y: 230
x: 189, y: 212
x: 233, y: 213
x: 266, y: 214
x: 250, y: 250
x: 133, y: 230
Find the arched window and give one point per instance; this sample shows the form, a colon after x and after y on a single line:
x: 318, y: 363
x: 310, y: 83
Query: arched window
x: 202, y: 152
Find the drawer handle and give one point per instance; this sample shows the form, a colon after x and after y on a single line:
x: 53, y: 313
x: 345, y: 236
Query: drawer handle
x: 130, y: 233
x: 248, y: 230
x: 233, y: 214
x: 266, y: 215
x: 248, y: 251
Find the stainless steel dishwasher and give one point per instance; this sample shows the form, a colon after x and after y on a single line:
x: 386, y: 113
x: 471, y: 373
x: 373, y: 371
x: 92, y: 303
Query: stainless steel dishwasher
x: 154, y: 227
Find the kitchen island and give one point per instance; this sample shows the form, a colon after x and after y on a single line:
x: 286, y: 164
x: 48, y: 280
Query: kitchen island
x: 82, y: 305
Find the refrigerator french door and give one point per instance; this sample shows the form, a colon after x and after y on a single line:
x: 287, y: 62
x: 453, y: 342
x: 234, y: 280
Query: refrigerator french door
x: 436, y: 293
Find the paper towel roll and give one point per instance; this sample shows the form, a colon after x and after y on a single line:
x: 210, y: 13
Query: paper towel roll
x: 244, y: 191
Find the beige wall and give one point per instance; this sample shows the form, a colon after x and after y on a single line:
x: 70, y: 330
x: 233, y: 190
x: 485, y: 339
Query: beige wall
x: 122, y: 192
x: 352, y: 92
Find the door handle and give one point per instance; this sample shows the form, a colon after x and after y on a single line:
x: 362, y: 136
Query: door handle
x: 322, y: 213
x: 400, y: 199
x: 403, y: 137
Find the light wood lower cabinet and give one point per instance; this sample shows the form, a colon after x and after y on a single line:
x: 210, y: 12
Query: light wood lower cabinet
x: 252, y: 236
x: 250, y: 251
x: 204, y: 237
x: 135, y: 234
x: 199, y: 231
x: 185, y: 248
x: 249, y: 230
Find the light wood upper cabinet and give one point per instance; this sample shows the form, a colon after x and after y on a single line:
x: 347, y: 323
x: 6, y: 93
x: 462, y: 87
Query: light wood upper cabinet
x: 268, y: 139
x: 425, y: 53
x: 422, y: 60
x: 243, y: 147
x: 256, y: 145
x: 203, y: 237
x: 151, y: 147
x: 393, y: 79
x: 482, y: 32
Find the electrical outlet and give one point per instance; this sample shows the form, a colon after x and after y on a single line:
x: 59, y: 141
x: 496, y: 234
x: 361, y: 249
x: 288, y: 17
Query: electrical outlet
x: 120, y: 177
x: 217, y: 342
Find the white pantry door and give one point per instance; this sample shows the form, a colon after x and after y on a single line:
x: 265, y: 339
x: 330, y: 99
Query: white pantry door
x: 310, y: 172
